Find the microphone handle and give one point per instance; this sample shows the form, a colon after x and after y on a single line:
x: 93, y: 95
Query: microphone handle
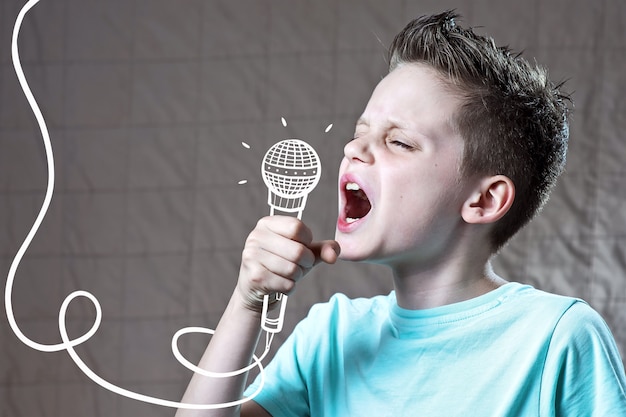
x: 273, y: 325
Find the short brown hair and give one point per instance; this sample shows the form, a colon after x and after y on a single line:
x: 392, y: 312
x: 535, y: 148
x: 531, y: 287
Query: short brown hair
x: 513, y: 119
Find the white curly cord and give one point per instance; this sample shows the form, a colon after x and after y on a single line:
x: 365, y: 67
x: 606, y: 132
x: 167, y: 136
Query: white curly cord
x: 69, y: 344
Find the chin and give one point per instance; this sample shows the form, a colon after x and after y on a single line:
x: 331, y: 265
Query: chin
x: 350, y: 250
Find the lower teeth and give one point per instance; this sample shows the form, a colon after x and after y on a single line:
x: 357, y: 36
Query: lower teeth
x: 351, y: 220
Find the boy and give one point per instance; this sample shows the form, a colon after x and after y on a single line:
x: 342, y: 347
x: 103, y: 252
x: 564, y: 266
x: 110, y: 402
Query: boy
x: 457, y: 149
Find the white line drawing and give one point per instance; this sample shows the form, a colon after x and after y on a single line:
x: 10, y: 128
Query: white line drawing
x: 244, y: 181
x: 291, y: 169
x: 69, y: 344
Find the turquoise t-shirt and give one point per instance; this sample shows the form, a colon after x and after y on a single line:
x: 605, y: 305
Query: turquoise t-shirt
x: 515, y: 351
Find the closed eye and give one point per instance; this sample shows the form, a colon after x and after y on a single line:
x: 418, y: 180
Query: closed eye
x: 401, y: 144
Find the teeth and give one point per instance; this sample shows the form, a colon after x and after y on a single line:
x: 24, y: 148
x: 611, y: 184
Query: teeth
x: 351, y: 220
x: 352, y: 186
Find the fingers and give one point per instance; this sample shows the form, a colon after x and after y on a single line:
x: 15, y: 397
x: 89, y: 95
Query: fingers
x: 285, y: 238
x: 264, y: 273
x: 325, y: 251
x: 303, y: 250
x: 276, y: 255
x: 288, y: 227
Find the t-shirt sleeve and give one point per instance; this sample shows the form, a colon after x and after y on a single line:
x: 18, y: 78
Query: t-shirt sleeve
x: 583, y: 374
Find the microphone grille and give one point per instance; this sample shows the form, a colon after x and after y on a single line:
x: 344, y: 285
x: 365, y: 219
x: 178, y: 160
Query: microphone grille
x: 291, y: 168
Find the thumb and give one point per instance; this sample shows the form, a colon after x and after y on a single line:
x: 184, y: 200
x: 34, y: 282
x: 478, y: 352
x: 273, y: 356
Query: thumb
x: 325, y: 251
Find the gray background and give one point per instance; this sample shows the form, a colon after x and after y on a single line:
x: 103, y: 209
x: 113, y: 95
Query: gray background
x: 148, y: 102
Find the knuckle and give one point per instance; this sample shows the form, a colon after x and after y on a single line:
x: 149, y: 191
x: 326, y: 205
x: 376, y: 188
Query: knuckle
x: 292, y: 226
x: 263, y: 221
x: 292, y: 270
x: 300, y: 252
x: 251, y: 242
x: 260, y: 227
x: 288, y: 286
x: 303, y: 229
x: 248, y: 256
x: 257, y: 276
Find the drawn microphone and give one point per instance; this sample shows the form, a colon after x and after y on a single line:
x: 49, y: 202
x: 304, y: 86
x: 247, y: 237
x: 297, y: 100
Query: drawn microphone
x: 291, y: 169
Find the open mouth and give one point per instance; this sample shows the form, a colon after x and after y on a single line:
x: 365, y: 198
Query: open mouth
x: 357, y: 204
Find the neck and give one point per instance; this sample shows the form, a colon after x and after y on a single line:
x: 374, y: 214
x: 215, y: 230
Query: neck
x: 441, y: 285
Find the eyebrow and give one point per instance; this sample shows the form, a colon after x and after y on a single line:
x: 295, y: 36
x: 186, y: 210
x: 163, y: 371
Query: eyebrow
x: 392, y: 124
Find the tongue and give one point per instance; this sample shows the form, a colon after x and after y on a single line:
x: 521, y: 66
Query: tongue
x: 357, y: 205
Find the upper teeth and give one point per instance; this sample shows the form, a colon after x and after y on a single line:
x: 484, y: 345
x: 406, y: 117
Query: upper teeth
x: 352, y: 186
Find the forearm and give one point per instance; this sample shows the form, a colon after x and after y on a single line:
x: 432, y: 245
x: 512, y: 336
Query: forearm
x: 277, y: 253
x: 231, y: 348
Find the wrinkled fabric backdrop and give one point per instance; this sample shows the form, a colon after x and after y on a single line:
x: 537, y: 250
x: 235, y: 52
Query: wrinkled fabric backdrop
x: 148, y: 103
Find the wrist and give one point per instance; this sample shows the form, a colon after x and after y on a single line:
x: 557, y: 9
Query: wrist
x: 250, y: 303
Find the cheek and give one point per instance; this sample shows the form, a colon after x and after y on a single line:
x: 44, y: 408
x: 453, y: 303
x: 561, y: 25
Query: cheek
x: 446, y: 176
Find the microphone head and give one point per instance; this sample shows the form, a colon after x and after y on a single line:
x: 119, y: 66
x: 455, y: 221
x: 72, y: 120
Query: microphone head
x: 291, y: 168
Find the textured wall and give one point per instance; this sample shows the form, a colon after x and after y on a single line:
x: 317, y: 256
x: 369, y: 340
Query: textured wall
x: 148, y: 102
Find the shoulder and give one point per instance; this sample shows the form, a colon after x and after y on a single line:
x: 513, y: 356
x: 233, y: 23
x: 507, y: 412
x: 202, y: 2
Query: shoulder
x: 582, y: 314
x: 569, y: 324
x: 581, y: 327
x: 560, y: 323
x: 583, y: 370
x: 573, y: 319
x: 557, y: 310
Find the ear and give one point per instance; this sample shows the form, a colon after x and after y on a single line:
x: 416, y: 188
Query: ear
x: 490, y: 201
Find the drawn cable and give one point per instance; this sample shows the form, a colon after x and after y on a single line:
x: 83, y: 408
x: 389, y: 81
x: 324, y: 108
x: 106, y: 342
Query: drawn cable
x: 69, y: 344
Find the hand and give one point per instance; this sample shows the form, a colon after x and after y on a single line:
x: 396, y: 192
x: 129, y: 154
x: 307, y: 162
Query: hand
x: 278, y: 252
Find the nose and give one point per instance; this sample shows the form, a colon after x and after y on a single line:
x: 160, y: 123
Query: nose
x: 358, y: 150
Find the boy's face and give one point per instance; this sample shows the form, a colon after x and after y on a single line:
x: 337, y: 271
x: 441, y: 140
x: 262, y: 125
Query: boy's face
x: 400, y: 191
